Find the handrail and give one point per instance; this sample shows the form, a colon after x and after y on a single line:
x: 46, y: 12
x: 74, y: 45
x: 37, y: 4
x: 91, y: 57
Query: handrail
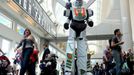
x: 44, y: 11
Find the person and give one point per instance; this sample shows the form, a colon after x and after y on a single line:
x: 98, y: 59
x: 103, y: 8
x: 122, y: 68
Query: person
x: 102, y: 71
x: 16, y: 62
x: 116, y: 43
x: 77, y: 21
x: 124, y: 67
x: 46, y: 52
x: 33, y: 61
x: 27, y: 44
x: 96, y: 69
x: 62, y: 67
x: 107, y: 59
x: 130, y: 61
x: 4, y: 63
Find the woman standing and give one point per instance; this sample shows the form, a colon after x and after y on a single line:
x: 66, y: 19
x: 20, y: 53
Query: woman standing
x: 28, y: 43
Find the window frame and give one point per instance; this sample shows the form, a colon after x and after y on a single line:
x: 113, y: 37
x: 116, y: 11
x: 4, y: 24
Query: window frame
x: 7, y: 19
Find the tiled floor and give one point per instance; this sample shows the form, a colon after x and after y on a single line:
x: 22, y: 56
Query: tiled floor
x: 89, y: 73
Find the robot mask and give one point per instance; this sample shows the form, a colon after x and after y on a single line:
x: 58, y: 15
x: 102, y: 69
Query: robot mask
x: 78, y: 3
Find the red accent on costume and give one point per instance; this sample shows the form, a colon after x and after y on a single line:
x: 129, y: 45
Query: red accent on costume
x: 76, y: 12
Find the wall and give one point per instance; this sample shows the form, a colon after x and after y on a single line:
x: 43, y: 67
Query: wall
x: 106, y: 8
x: 9, y: 33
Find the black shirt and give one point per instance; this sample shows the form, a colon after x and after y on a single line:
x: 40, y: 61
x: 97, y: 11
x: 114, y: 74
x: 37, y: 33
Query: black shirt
x: 117, y: 47
x: 46, y: 52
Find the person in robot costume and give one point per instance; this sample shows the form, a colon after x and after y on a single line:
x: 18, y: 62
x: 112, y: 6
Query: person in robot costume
x: 78, y: 15
x: 78, y: 19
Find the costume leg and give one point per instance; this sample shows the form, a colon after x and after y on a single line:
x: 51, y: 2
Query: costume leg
x: 70, y: 49
x: 82, y: 54
x: 88, y: 64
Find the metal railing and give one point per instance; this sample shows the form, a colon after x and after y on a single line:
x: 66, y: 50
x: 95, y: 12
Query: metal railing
x: 37, y: 13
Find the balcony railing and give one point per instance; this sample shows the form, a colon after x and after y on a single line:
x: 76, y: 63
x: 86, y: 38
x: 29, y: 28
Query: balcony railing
x: 37, y: 13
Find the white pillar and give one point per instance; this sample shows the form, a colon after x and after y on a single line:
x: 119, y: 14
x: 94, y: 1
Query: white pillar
x: 126, y: 25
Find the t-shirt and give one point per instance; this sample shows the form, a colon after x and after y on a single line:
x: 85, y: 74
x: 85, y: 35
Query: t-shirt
x: 46, y: 52
x: 108, y: 55
x: 117, y: 47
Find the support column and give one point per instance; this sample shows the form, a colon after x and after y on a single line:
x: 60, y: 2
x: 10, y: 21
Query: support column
x: 126, y: 25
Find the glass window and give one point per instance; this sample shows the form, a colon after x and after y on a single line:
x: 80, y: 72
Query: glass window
x: 4, y: 20
x: 20, y: 29
x: 5, y: 45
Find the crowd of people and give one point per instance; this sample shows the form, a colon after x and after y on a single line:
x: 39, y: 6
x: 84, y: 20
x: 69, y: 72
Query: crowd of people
x: 115, y: 60
x: 108, y: 67
x: 26, y: 56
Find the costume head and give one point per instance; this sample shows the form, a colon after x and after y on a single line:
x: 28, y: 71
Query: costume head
x: 78, y: 3
x: 68, y: 5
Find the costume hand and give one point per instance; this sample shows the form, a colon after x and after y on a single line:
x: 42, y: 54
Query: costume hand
x: 66, y: 26
x: 90, y: 23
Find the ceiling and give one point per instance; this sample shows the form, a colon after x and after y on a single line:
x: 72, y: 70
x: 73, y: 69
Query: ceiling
x: 55, y: 9
x: 106, y: 13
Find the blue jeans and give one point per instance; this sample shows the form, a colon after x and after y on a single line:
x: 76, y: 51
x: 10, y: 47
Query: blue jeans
x: 25, y: 60
x: 117, y: 58
x: 31, y: 69
x: 96, y: 72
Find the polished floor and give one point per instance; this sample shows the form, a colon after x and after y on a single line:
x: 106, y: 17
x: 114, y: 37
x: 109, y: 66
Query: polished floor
x: 89, y: 73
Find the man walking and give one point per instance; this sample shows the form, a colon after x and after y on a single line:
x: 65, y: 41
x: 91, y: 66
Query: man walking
x: 116, y: 49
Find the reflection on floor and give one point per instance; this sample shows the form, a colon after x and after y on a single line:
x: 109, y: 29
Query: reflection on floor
x: 89, y: 73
